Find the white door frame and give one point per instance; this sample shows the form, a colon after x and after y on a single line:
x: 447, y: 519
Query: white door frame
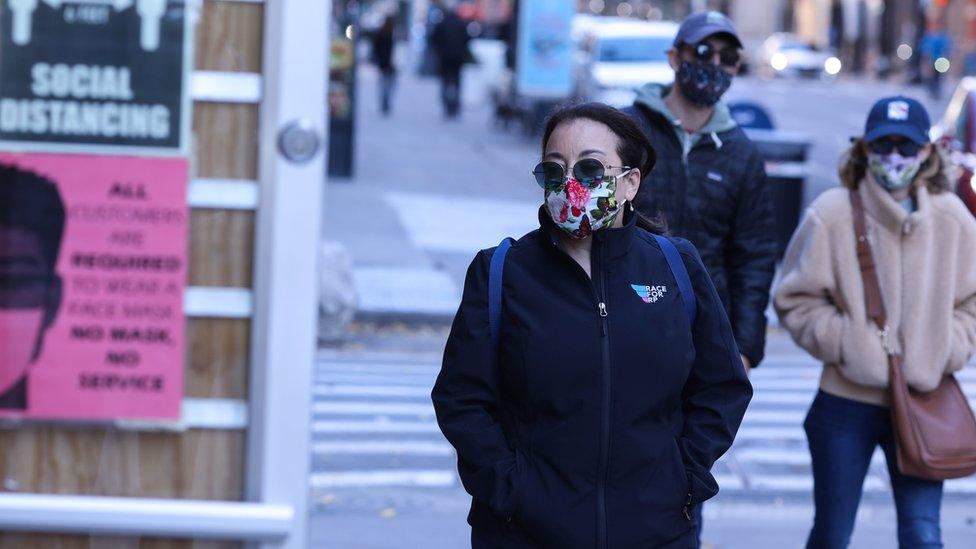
x: 296, y: 61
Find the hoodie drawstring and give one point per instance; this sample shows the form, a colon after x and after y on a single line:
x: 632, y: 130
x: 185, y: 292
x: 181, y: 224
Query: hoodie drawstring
x: 716, y: 140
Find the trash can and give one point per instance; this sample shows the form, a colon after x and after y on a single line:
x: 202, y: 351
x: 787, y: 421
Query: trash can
x: 785, y: 154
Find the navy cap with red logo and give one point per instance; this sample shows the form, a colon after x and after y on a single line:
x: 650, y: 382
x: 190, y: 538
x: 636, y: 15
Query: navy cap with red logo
x: 898, y: 115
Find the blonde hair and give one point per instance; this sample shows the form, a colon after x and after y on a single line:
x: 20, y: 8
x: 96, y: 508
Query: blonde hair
x: 933, y: 173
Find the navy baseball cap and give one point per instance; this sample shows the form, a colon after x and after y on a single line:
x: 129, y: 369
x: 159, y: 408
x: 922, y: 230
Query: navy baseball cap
x: 699, y: 26
x: 898, y: 115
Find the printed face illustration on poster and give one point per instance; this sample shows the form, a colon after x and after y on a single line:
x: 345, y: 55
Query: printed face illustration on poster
x: 109, y: 74
x: 92, y: 274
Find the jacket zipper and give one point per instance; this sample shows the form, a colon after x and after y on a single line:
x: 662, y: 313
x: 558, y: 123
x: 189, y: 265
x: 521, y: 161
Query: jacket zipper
x: 686, y: 147
x: 604, y: 471
x: 604, y: 468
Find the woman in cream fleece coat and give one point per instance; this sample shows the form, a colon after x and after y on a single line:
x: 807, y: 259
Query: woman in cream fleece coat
x: 924, y: 245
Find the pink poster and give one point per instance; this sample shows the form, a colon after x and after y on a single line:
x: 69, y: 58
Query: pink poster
x: 93, y: 256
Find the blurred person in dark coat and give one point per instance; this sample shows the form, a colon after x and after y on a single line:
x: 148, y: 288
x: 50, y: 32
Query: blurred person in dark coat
x: 383, y: 45
x: 449, y: 40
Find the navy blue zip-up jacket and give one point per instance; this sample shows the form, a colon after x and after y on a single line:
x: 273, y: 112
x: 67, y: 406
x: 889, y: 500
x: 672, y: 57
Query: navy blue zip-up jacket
x: 590, y: 430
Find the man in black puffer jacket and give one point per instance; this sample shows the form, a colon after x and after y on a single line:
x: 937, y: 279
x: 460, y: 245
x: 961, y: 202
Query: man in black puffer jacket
x: 709, y: 182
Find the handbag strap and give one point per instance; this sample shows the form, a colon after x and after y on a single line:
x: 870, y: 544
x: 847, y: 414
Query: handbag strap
x: 869, y: 272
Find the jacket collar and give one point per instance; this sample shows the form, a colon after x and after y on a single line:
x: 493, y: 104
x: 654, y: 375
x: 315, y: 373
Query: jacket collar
x: 881, y: 207
x: 617, y: 241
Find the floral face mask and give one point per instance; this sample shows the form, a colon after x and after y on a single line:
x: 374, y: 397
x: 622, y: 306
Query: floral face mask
x: 579, y: 210
x: 893, y: 171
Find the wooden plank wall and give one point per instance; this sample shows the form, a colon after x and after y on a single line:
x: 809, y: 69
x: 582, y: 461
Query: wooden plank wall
x: 197, y: 464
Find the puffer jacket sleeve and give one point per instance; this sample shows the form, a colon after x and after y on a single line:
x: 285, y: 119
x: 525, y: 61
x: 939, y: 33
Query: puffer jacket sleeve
x: 717, y: 391
x: 802, y: 295
x: 467, y: 398
x: 964, y: 313
x: 751, y: 260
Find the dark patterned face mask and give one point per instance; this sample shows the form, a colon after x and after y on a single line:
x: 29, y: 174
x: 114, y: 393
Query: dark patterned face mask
x: 703, y: 83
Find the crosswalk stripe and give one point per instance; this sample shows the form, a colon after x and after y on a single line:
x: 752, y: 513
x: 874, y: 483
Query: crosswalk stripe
x: 384, y: 447
x: 753, y: 433
x: 729, y: 482
x: 370, y: 390
x: 374, y: 426
x: 380, y: 379
x: 775, y: 456
x: 785, y: 384
x: 779, y: 417
x: 344, y: 389
x: 358, y: 479
x: 379, y: 407
x: 373, y: 408
x: 782, y: 397
x: 962, y: 485
x: 415, y: 377
x: 967, y: 374
x: 391, y: 367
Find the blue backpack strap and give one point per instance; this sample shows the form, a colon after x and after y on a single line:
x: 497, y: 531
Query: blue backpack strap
x: 680, y: 273
x: 495, y: 273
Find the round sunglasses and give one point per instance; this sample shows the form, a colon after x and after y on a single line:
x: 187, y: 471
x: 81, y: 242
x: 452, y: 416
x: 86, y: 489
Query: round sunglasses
x: 906, y: 147
x: 728, y: 57
x: 588, y: 171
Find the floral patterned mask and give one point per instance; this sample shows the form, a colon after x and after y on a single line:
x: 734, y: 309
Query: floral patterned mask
x: 579, y: 210
x: 894, y: 172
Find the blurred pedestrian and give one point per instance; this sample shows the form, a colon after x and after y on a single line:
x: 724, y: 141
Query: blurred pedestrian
x: 589, y: 394
x: 922, y: 240
x: 450, y: 41
x: 936, y: 49
x: 383, y: 46
x: 710, y: 184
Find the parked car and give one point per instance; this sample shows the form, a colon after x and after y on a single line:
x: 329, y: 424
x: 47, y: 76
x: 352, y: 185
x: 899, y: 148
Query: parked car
x: 957, y: 131
x: 617, y: 56
x: 785, y: 54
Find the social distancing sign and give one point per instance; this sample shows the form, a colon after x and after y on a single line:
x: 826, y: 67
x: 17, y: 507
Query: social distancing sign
x: 96, y: 75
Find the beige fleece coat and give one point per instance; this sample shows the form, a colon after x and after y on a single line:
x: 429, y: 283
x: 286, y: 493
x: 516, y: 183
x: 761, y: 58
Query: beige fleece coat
x: 927, y: 269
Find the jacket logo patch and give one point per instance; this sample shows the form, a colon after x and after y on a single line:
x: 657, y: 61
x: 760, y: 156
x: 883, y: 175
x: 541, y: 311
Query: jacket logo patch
x: 714, y: 176
x: 650, y: 294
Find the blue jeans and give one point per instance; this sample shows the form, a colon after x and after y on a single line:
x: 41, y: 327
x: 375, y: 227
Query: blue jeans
x: 843, y: 434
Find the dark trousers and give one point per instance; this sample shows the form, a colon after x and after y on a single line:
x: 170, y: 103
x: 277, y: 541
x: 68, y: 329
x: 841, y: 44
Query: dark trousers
x: 387, y: 85
x: 935, y: 84
x: 451, y: 88
x: 843, y: 434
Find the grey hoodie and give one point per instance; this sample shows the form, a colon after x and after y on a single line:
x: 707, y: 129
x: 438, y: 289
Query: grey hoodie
x: 652, y: 97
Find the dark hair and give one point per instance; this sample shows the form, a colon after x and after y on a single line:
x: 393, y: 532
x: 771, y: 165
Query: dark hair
x: 31, y: 202
x: 633, y: 148
x: 932, y: 174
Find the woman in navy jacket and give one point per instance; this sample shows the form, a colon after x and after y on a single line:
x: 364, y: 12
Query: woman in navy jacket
x: 596, y: 419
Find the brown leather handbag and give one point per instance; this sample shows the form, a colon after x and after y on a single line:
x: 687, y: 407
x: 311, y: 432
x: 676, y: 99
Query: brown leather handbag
x: 935, y: 432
